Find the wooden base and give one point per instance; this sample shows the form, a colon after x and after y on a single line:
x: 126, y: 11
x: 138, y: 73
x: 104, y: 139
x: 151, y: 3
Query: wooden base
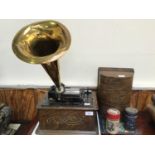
x: 77, y: 119
x: 66, y: 132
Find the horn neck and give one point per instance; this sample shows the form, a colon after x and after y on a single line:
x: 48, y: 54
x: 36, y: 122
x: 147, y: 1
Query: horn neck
x: 52, y: 70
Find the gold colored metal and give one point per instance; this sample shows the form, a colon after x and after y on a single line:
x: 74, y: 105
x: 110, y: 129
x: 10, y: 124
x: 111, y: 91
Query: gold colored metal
x: 43, y: 43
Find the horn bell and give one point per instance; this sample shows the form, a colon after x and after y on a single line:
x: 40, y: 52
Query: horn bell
x: 43, y: 43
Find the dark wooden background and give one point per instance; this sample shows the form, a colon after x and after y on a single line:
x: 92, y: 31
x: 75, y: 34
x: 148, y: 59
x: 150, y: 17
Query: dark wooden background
x: 23, y: 101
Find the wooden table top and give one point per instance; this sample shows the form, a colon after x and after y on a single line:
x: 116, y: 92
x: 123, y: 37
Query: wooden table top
x: 145, y: 126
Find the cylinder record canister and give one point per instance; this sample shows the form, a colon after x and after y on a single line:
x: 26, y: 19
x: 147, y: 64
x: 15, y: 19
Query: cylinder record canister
x: 130, y: 118
x: 113, y: 121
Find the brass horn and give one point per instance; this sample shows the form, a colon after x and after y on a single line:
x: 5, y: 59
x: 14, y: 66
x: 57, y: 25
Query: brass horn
x: 43, y: 43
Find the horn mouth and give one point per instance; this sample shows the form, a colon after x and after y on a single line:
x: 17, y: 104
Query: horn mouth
x: 44, y: 47
x: 41, y: 42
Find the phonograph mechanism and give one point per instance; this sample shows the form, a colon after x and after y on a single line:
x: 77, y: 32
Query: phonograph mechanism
x: 65, y: 110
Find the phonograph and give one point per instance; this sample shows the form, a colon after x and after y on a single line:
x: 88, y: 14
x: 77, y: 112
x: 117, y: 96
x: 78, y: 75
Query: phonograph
x: 65, y: 110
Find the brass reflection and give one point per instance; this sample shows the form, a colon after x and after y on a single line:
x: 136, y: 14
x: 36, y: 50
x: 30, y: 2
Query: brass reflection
x: 43, y: 43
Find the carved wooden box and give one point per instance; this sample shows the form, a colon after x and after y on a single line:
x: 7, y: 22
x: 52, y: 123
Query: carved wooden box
x: 68, y: 119
x: 114, y: 88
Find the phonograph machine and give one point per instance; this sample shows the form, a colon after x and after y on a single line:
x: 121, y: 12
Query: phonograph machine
x: 65, y: 110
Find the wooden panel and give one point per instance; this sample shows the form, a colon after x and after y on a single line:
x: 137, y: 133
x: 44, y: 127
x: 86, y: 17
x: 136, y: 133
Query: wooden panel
x: 23, y: 101
x: 140, y: 98
x: 40, y: 94
x: 60, y: 119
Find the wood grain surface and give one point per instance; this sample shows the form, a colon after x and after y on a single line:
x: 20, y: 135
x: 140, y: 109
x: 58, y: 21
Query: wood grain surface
x: 23, y: 101
x: 140, y: 98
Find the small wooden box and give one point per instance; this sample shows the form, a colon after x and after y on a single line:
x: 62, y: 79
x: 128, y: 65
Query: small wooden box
x: 114, y: 88
x: 68, y: 119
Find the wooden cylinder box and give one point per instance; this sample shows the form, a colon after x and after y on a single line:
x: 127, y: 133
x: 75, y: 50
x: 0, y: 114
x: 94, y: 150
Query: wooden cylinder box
x: 114, y: 88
